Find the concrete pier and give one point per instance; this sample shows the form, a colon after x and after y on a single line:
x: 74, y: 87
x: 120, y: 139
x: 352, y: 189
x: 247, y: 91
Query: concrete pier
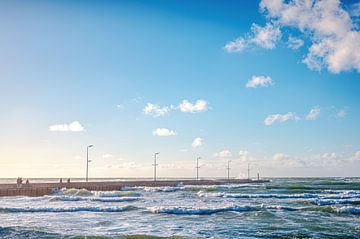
x: 41, y: 189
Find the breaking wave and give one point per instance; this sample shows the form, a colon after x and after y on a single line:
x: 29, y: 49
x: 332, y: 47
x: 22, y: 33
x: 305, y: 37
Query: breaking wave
x: 238, y: 195
x: 117, y: 194
x: 66, y: 209
x: 75, y: 192
x: 94, y: 199
x: 197, y: 210
x: 278, y: 196
x: 244, y: 208
x: 323, y: 202
x: 162, y: 189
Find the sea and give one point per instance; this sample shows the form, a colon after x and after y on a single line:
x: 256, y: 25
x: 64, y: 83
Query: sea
x: 281, y: 208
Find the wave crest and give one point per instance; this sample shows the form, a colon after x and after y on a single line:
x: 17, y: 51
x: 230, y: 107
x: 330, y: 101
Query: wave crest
x: 66, y: 209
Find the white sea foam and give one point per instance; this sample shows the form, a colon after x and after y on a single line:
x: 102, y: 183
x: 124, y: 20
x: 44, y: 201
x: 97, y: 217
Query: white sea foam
x: 67, y: 198
x: 162, y: 189
x: 94, y: 199
x: 197, y: 210
x: 239, y: 195
x: 221, y: 186
x: 323, y: 202
x: 279, y: 207
x: 75, y: 192
x: 346, y: 209
x: 66, y: 209
x: 117, y: 194
x: 121, y: 199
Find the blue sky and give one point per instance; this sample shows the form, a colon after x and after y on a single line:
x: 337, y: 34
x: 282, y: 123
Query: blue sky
x: 99, y: 64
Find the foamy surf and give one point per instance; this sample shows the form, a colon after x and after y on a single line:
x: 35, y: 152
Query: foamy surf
x: 74, y: 192
x: 323, y: 202
x: 162, y: 189
x: 65, y: 209
x: 116, y: 194
x: 239, y: 195
x: 197, y: 210
x: 93, y: 199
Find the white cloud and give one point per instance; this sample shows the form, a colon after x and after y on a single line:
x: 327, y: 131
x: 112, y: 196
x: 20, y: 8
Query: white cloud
x: 265, y: 37
x: 71, y: 127
x: 223, y: 154
x: 77, y: 157
x: 313, y: 114
x: 237, y: 45
x: 256, y: 81
x: 280, y: 157
x: 197, y: 142
x: 107, y: 156
x: 198, y: 106
x: 163, y: 132
x: 341, y: 113
x: 271, y: 119
x: 335, y: 43
x: 156, y: 110
x: 295, y: 43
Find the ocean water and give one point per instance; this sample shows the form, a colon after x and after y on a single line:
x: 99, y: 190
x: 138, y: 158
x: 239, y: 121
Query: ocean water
x: 282, y: 208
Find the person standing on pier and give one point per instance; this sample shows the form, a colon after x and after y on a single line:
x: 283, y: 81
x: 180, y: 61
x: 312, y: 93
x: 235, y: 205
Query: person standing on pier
x: 19, y: 183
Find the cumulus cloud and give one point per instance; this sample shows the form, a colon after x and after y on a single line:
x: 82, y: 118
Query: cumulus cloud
x: 74, y: 126
x: 156, y: 110
x: 198, y: 106
x: 237, y: 45
x: 223, y: 154
x: 313, y: 114
x: 335, y: 42
x: 271, y: 119
x: 256, y: 81
x: 295, y: 43
x: 163, y: 132
x: 265, y: 37
x: 197, y: 142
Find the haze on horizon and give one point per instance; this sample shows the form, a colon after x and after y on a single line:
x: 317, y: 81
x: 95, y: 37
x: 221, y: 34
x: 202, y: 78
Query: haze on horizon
x: 269, y: 83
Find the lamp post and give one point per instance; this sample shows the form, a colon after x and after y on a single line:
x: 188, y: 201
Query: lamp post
x: 197, y: 168
x: 228, y: 169
x: 155, y: 164
x: 249, y: 171
x: 87, y: 161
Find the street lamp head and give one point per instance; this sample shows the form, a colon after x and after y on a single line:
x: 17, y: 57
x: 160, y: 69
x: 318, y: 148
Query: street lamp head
x: 89, y: 146
x: 198, y: 157
x: 156, y: 153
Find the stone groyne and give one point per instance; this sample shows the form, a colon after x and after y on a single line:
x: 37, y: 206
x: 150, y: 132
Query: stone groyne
x: 41, y: 189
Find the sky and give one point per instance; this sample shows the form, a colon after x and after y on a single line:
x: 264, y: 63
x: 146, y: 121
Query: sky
x: 271, y: 84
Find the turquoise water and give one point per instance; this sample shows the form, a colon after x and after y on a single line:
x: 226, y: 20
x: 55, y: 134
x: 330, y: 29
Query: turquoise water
x: 283, y: 208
